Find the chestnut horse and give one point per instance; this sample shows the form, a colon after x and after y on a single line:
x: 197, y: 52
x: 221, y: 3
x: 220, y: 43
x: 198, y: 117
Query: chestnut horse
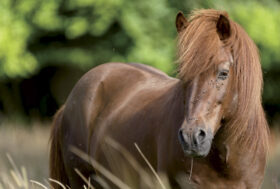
x: 211, y: 113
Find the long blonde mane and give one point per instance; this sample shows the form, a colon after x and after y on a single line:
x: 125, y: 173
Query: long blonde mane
x: 197, y: 47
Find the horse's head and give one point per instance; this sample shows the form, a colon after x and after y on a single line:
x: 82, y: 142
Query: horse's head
x: 206, y: 67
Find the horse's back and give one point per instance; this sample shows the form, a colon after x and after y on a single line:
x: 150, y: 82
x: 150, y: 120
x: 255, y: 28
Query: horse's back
x: 117, y: 77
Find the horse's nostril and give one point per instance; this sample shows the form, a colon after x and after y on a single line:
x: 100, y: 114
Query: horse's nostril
x: 199, y: 136
x: 181, y: 136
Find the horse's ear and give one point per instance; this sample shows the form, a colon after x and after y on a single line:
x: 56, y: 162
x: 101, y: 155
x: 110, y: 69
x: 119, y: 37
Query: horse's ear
x: 181, y: 22
x: 223, y: 27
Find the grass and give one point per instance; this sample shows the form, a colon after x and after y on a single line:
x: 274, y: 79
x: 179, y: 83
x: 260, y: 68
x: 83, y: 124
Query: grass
x: 23, y: 155
x: 24, y: 160
x: 272, y: 176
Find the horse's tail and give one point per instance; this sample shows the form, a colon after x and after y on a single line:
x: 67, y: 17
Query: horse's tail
x: 56, y: 164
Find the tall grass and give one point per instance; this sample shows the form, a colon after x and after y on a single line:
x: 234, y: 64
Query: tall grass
x: 26, y: 165
x: 131, y: 174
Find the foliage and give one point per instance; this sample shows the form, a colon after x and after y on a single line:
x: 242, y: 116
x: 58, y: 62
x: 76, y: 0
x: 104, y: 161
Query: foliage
x: 141, y: 31
x: 115, y: 30
x: 14, y: 32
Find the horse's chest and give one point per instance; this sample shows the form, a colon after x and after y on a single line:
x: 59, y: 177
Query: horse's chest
x: 211, y: 179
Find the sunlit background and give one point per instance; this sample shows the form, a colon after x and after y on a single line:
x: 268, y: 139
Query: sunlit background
x: 45, y: 47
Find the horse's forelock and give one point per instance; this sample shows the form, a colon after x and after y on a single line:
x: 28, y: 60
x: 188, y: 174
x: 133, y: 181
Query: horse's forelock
x: 197, y: 47
x: 198, y: 44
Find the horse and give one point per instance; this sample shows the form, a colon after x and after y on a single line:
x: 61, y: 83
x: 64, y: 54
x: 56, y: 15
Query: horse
x: 207, y: 123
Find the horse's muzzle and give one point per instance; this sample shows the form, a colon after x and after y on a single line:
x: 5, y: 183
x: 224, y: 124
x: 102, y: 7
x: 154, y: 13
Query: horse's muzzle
x: 196, y: 143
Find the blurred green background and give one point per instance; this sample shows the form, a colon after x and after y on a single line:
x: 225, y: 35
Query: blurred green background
x: 45, y: 46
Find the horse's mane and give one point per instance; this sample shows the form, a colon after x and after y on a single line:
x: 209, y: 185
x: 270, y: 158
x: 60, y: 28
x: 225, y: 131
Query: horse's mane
x: 197, y: 46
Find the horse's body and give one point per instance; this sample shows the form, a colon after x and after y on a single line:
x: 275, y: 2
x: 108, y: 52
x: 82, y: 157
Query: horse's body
x: 134, y: 103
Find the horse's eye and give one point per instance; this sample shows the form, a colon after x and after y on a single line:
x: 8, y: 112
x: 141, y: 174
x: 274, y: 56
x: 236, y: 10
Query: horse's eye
x: 223, y: 74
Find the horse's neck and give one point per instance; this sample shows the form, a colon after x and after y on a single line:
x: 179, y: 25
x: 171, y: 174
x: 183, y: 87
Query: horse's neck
x: 235, y: 158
